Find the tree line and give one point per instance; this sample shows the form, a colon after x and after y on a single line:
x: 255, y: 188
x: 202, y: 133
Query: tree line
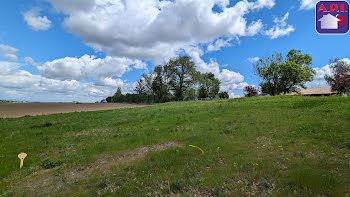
x: 177, y: 80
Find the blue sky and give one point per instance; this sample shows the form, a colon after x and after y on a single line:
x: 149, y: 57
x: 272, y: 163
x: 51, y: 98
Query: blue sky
x: 82, y: 50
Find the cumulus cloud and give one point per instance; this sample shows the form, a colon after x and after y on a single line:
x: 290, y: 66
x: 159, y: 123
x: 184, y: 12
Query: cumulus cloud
x: 308, y: 4
x: 218, y: 44
x: 103, y: 71
x: 8, y: 52
x: 154, y: 29
x: 254, y: 28
x: 281, y: 27
x: 17, y: 84
x: 253, y: 59
x: 132, y: 30
x: 35, y: 21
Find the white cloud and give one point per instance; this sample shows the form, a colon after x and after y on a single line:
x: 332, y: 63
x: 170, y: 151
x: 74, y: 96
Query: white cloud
x: 154, y: 29
x: 281, y: 28
x: 87, y: 67
x: 254, y: 28
x: 218, y: 44
x: 18, y: 84
x: 30, y: 60
x: 35, y: 21
x: 308, y: 4
x: 253, y: 59
x: 8, y: 52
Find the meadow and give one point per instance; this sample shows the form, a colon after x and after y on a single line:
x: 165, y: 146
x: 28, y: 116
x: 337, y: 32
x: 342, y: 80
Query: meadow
x: 270, y: 146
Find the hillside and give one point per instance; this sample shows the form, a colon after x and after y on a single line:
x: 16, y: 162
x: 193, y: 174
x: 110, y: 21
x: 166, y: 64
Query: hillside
x: 274, y: 146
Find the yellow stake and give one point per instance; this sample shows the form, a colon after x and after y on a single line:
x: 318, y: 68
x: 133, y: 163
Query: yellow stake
x: 197, y: 148
x: 22, y: 156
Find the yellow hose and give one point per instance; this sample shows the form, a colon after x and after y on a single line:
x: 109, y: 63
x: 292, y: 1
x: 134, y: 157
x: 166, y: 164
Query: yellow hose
x: 197, y: 148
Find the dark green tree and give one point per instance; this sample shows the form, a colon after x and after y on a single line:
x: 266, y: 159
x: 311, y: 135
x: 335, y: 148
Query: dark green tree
x: 191, y: 94
x: 118, y: 97
x: 109, y: 99
x: 209, y: 86
x: 159, y: 86
x: 224, y: 95
x: 285, y: 75
x: 182, y: 74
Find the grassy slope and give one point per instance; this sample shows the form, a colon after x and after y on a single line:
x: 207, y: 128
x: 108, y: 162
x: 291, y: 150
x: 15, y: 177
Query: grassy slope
x: 269, y: 146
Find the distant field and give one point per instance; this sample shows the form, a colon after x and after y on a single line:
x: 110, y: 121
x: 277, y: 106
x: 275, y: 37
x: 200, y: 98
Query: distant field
x: 276, y: 146
x: 15, y: 110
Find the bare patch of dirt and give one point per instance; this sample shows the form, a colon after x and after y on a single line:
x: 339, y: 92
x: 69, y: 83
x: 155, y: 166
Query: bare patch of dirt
x: 264, y: 142
x: 16, y: 110
x: 45, y: 182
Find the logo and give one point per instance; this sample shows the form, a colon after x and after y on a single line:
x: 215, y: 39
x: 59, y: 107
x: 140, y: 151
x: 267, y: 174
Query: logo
x: 332, y: 17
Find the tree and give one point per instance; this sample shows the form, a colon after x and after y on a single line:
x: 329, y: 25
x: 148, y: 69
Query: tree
x: 182, y: 74
x: 148, y: 80
x: 159, y: 85
x: 140, y: 87
x: 250, y: 91
x: 190, y: 94
x: 118, y: 97
x: 209, y: 86
x: 224, y: 95
x: 285, y: 75
x: 109, y: 99
x: 340, y: 81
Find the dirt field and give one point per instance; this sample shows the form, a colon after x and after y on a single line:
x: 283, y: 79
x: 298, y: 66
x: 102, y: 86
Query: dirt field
x: 15, y: 110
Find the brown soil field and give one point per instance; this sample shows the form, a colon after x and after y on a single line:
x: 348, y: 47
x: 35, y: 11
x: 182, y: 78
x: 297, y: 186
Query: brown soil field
x: 16, y: 110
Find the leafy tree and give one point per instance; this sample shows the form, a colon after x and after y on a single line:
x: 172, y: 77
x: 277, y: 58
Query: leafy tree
x: 159, y: 85
x: 118, y: 97
x: 148, y: 80
x: 202, y: 92
x: 224, y: 95
x: 250, y: 91
x: 209, y: 86
x: 285, y: 75
x: 340, y: 81
x: 140, y: 87
x: 109, y: 99
x: 182, y: 74
x: 191, y: 94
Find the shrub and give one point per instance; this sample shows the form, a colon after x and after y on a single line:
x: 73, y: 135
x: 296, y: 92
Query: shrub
x: 250, y: 91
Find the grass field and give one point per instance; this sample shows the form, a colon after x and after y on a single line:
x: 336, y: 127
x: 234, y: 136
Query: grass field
x: 280, y: 146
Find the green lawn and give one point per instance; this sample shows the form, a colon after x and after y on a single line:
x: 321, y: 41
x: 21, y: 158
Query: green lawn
x: 280, y: 146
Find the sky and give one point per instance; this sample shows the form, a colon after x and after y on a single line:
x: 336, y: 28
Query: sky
x: 83, y: 50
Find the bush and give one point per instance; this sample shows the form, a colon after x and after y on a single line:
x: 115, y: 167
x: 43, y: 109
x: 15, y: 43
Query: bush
x: 250, y: 91
x: 224, y: 95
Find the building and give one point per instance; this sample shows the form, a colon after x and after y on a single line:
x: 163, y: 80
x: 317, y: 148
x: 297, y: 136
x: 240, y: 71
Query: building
x: 317, y: 92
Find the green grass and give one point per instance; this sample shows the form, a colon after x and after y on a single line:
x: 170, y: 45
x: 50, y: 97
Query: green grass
x: 280, y: 146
